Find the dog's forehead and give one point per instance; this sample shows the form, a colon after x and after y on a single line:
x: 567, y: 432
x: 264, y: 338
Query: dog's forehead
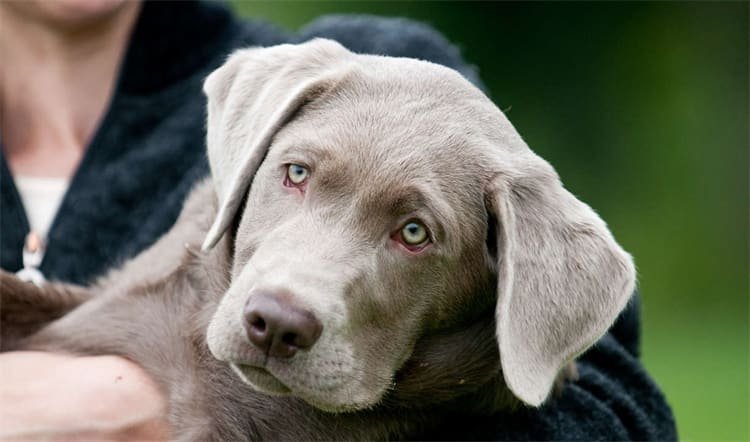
x: 399, y: 135
x: 399, y: 115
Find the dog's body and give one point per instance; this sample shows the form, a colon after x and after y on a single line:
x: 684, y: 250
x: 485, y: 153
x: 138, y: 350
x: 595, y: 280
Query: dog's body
x: 158, y: 317
x: 400, y: 254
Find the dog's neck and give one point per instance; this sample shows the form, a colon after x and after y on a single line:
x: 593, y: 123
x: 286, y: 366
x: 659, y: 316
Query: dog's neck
x: 455, y: 369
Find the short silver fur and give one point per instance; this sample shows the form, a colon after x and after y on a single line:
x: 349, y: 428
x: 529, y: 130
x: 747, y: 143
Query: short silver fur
x: 561, y: 277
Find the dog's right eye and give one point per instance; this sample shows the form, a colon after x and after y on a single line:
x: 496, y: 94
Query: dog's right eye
x: 413, y: 236
x: 296, y: 176
x: 414, y: 233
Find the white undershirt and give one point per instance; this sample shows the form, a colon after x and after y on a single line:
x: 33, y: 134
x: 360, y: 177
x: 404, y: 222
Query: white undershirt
x: 41, y: 198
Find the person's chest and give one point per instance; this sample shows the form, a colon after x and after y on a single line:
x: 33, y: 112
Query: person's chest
x: 127, y: 191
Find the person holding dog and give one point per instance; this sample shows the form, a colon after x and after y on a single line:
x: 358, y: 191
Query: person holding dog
x: 102, y: 132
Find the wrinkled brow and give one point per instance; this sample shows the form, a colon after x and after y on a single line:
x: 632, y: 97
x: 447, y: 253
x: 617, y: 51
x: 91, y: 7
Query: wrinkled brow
x: 396, y: 201
x: 401, y: 201
x: 309, y: 151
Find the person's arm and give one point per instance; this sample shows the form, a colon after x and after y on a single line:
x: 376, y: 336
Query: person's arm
x: 60, y: 397
x: 614, y: 398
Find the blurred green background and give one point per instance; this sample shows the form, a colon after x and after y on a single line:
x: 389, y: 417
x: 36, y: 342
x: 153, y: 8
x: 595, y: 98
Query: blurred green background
x: 643, y: 110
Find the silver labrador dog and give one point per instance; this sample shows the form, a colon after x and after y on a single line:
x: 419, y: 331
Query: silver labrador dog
x: 377, y: 247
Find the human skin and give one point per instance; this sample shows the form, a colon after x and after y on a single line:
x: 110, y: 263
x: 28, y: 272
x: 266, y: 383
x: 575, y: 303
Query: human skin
x: 47, y: 396
x: 55, y: 111
x: 50, y: 114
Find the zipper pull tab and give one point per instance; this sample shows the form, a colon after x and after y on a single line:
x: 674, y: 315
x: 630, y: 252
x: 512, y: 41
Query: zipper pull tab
x: 33, y: 253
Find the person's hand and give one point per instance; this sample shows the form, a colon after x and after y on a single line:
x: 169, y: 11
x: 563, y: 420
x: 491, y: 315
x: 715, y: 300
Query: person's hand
x: 55, y: 397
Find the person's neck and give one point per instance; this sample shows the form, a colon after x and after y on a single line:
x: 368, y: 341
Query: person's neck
x: 55, y: 86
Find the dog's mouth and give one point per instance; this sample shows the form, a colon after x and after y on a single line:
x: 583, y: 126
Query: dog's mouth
x: 261, y: 379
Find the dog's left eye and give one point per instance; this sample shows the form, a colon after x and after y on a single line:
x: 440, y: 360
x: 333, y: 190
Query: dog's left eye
x: 296, y: 175
x: 413, y: 235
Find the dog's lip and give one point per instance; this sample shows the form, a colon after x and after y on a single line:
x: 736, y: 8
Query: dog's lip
x: 254, y: 369
x: 262, y: 378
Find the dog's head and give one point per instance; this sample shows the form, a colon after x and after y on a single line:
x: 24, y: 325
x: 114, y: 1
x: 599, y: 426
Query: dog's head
x: 378, y: 200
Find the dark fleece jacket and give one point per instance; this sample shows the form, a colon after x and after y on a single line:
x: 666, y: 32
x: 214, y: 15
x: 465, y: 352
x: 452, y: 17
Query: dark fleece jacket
x: 149, y: 150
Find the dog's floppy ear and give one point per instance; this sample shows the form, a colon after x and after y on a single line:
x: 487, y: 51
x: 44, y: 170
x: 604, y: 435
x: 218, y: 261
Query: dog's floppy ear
x: 249, y: 99
x: 562, y: 277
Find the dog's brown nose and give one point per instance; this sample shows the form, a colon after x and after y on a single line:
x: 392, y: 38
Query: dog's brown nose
x: 278, y: 327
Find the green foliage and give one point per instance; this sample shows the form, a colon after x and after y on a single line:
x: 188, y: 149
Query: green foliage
x: 643, y: 110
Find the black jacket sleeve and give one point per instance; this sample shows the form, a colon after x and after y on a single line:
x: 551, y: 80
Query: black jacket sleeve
x: 614, y: 398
